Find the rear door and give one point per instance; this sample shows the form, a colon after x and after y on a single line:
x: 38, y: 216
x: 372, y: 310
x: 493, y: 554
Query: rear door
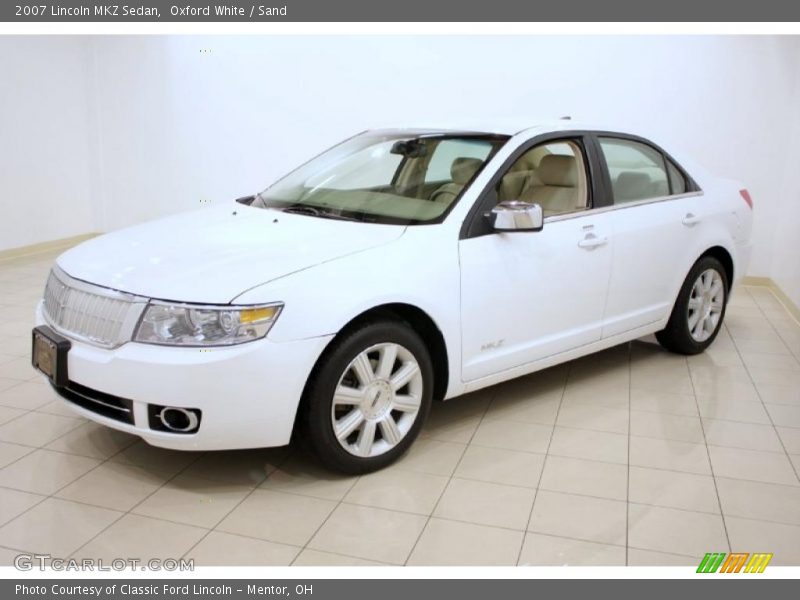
x: 657, y: 215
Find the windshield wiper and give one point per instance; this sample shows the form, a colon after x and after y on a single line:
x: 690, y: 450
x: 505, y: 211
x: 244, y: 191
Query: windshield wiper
x: 313, y: 211
x: 301, y: 209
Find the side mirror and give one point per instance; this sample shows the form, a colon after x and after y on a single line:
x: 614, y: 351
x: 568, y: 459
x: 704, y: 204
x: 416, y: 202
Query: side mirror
x: 516, y: 215
x: 246, y: 200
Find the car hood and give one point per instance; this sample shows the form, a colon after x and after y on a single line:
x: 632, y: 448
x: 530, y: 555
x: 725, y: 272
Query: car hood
x: 214, y: 254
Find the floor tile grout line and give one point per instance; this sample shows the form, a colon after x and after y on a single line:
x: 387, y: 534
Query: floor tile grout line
x: 81, y: 423
x: 394, y: 564
x: 779, y: 301
x: 16, y: 385
x: 130, y: 509
x: 339, y: 502
x: 34, y: 505
x: 417, y: 514
x: 643, y: 437
x: 382, y: 563
x: 628, y: 466
x: 342, y: 554
x: 769, y: 416
x: 528, y: 522
x: 486, y: 409
x: 238, y: 504
x: 698, y: 416
x: 53, y: 496
x: 708, y: 452
x: 44, y: 449
x: 771, y: 425
x: 284, y: 491
x: 56, y: 491
x: 12, y: 419
x: 749, y: 374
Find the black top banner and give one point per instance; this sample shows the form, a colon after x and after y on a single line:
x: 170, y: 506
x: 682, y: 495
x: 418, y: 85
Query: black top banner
x: 73, y: 11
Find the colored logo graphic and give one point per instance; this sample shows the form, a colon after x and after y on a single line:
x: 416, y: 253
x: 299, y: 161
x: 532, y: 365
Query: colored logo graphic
x: 737, y: 562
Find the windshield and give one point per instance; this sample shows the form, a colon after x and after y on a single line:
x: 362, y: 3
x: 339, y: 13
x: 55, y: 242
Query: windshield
x: 384, y: 178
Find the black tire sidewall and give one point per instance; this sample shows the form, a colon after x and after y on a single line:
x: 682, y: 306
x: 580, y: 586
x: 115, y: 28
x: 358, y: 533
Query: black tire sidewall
x: 320, y: 391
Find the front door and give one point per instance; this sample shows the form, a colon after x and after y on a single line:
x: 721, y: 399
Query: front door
x: 526, y: 296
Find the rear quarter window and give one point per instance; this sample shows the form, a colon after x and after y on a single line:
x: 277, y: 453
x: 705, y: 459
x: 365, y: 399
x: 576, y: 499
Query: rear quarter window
x: 677, y: 182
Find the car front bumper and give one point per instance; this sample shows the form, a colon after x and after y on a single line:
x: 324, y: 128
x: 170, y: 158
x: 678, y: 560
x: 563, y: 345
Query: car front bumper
x: 247, y: 394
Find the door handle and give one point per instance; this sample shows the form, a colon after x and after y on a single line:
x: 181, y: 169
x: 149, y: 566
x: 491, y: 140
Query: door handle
x: 690, y: 220
x: 591, y: 241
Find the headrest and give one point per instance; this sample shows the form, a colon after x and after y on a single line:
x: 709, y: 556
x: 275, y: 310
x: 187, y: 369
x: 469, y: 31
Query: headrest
x: 558, y: 170
x: 514, y: 182
x: 632, y: 185
x: 527, y: 162
x: 464, y: 168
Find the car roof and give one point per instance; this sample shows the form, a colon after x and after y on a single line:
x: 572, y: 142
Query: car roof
x: 531, y: 127
x: 502, y: 126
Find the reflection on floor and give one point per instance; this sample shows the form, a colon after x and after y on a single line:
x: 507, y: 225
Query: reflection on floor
x: 632, y: 456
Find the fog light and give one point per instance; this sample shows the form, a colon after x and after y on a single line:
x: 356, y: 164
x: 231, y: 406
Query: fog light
x: 174, y: 419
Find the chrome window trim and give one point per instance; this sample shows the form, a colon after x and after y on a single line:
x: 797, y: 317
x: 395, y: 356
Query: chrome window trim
x: 621, y: 206
x: 137, y: 305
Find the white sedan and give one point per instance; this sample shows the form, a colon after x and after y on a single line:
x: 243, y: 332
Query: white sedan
x: 398, y: 267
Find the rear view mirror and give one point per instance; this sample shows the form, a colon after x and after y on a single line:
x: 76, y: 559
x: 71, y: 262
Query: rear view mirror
x: 410, y: 148
x: 516, y: 215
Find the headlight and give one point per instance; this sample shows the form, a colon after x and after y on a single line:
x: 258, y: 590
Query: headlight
x: 192, y: 325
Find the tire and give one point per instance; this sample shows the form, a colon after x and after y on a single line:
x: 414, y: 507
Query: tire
x: 699, y: 309
x: 356, y: 370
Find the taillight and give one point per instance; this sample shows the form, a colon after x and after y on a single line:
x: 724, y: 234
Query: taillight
x: 746, y: 195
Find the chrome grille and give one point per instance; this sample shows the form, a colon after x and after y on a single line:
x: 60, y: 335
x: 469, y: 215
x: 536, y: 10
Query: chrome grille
x: 90, y: 313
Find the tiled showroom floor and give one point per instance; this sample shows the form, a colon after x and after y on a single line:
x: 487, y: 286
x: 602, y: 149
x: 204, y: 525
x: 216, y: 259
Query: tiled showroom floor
x: 633, y: 456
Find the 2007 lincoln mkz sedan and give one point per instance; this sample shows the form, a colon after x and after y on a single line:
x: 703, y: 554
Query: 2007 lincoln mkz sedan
x: 396, y: 268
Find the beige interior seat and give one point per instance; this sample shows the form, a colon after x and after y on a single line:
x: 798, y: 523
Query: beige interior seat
x: 631, y: 185
x: 558, y: 190
x: 639, y: 184
x: 462, y: 170
x: 522, y: 175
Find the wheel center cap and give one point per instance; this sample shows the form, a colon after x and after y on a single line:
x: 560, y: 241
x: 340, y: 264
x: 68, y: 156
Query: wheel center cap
x: 377, y: 399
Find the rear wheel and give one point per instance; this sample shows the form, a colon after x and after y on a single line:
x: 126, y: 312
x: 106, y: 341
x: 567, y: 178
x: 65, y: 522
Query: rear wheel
x: 369, y: 397
x: 699, y: 310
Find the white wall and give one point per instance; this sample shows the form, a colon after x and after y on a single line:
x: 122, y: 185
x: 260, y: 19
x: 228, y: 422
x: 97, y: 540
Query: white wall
x: 785, y: 270
x: 183, y: 119
x: 46, y: 138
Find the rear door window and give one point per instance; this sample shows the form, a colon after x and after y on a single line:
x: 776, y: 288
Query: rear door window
x: 638, y: 171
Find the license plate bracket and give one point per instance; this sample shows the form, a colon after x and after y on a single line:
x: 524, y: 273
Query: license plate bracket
x: 49, y: 354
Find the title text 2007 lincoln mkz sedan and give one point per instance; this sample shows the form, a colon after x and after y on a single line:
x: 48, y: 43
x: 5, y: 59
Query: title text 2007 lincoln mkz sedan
x: 398, y: 267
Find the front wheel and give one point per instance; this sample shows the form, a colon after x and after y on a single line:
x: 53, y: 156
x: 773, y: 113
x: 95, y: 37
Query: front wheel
x: 368, y: 398
x: 699, y: 310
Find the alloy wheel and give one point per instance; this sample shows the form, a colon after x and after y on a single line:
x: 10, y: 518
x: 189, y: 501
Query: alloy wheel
x: 377, y: 400
x: 706, y: 302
